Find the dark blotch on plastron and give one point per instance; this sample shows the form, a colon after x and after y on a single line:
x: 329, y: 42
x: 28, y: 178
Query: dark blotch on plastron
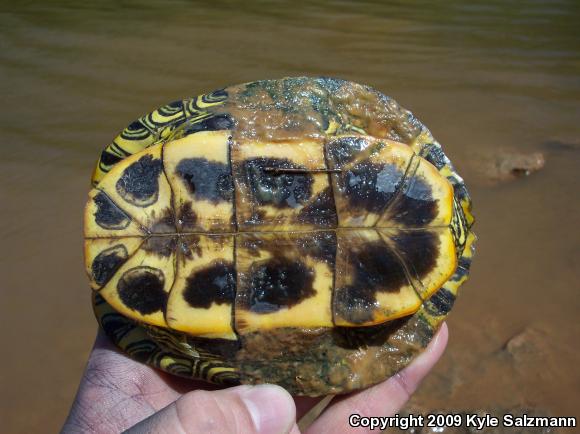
x: 370, y: 187
x: 189, y: 247
x: 162, y: 246
x: 139, y: 183
x: 214, y: 123
x: 419, y: 250
x: 108, y: 215
x: 374, y: 268
x: 213, y: 284
x: 107, y: 262
x: 279, y: 283
x: 281, y: 190
x: 343, y: 150
x: 321, y: 211
x: 257, y: 217
x: 416, y: 206
x: 166, y: 224
x: 206, y: 180
x: 141, y: 289
x: 319, y: 245
x: 186, y: 217
x: 440, y: 303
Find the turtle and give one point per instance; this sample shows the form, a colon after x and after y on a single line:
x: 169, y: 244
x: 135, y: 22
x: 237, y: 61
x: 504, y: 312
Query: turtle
x: 306, y: 231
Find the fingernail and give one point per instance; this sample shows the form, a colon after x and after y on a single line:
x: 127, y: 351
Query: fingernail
x: 271, y: 407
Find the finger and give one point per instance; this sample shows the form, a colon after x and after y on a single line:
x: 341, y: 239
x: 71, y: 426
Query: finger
x: 384, y: 399
x: 264, y: 409
x: 108, y: 355
x: 304, y: 404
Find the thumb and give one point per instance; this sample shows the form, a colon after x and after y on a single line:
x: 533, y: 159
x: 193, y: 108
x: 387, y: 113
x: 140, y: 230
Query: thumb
x: 264, y: 409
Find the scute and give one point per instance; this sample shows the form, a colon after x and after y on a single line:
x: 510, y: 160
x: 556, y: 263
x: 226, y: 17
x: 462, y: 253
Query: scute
x: 202, y: 297
x: 371, y: 285
x: 282, y: 284
x: 199, y: 173
x: 267, y: 200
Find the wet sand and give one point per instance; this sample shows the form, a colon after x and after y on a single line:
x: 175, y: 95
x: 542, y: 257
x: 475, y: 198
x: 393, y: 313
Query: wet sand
x: 483, y: 77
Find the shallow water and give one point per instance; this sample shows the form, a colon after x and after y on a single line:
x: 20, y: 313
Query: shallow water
x: 484, y: 76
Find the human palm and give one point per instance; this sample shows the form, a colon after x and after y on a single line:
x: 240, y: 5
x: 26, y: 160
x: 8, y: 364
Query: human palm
x: 118, y: 394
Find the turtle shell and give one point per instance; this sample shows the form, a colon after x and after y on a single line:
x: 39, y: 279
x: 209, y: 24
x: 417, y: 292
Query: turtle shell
x: 307, y: 232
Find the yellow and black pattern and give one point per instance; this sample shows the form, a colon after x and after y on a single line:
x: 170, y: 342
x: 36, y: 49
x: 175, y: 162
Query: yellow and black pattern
x: 163, y: 349
x: 266, y: 209
x: 435, y: 310
x: 158, y: 126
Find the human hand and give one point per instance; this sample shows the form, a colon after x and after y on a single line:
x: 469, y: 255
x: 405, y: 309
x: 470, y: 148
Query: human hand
x: 118, y: 394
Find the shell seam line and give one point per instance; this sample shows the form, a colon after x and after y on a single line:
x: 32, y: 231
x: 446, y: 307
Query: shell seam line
x: 231, y: 163
x: 233, y: 315
x: 330, y: 182
x: 403, y: 264
x: 117, y: 270
x: 172, y: 193
x: 175, y: 274
x: 403, y: 186
x: 306, y: 231
x: 142, y: 227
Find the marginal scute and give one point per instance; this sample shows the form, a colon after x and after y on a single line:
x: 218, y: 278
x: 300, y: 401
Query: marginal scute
x: 441, y: 302
x: 342, y: 150
x: 214, y: 123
